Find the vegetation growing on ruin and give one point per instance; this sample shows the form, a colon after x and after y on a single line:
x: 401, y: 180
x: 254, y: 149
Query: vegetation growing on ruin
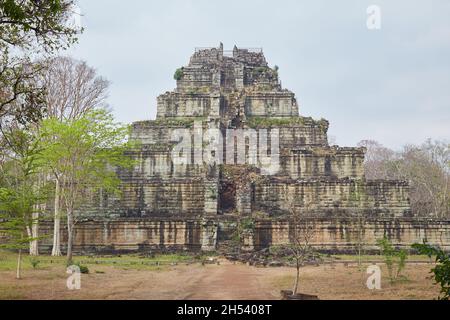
x: 241, y: 174
x: 178, y: 75
x: 357, y: 191
x: 198, y: 90
x: 267, y: 122
x: 265, y: 72
x: 248, y: 223
x: 187, y: 122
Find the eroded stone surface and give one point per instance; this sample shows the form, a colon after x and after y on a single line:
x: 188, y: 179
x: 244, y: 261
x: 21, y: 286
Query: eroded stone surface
x: 196, y: 205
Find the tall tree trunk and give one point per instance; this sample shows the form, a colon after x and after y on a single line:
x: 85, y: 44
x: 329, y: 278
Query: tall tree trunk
x: 34, y: 250
x: 70, y: 229
x: 56, y: 250
x: 294, y: 291
x: 19, y: 264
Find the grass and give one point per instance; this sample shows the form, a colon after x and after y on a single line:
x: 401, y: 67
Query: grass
x: 8, y: 261
x: 365, y: 258
x: 10, y: 293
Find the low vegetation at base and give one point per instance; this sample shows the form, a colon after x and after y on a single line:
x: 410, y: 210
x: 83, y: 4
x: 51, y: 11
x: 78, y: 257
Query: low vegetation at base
x: 265, y: 122
x: 8, y: 261
x: 441, y: 272
x: 395, y: 259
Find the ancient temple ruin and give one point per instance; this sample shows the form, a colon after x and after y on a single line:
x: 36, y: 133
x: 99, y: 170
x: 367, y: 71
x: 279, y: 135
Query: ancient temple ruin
x: 197, y: 203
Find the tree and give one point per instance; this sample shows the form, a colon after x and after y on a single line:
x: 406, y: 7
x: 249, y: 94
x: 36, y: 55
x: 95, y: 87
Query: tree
x: 27, y: 28
x: 426, y: 167
x: 376, y: 160
x: 300, y: 246
x: 299, y: 250
x: 20, y: 194
x: 29, y: 24
x: 72, y: 90
x: 81, y: 154
x: 21, y: 91
x: 392, y: 257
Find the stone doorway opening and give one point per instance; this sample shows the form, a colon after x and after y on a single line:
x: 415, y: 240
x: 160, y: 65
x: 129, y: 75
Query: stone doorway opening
x: 227, y: 198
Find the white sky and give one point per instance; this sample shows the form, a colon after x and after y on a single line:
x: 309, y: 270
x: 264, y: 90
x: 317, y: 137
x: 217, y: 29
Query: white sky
x: 391, y: 85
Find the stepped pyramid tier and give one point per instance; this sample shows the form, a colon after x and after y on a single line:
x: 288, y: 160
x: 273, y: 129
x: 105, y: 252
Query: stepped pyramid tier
x: 231, y: 85
x: 237, y: 90
x: 228, y: 144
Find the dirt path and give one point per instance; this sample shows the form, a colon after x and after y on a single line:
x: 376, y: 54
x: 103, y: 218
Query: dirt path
x: 228, y: 282
x: 224, y: 281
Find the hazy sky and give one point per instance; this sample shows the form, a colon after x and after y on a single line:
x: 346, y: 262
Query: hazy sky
x: 391, y: 85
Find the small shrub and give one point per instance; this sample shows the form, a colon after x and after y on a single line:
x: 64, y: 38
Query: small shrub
x: 83, y: 269
x: 34, y: 262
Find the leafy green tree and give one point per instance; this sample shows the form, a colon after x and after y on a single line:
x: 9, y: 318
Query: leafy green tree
x: 20, y: 194
x: 82, y: 154
x: 442, y: 269
x: 30, y: 23
x: 29, y: 28
x: 73, y: 88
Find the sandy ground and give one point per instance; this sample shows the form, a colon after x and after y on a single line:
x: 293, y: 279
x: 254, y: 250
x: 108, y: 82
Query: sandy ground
x: 224, y: 281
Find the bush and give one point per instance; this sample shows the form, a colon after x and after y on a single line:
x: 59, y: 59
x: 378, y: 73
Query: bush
x: 34, y: 262
x: 247, y: 224
x: 442, y: 269
x: 83, y: 269
x: 178, y: 74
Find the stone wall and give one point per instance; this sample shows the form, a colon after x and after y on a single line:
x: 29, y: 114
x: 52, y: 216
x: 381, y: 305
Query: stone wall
x: 346, y: 234
x: 333, y: 234
x: 333, y: 198
x: 193, y: 204
x: 184, y: 105
x: 271, y: 104
x: 131, y: 235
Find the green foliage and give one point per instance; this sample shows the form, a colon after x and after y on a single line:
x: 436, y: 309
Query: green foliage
x: 28, y: 27
x: 178, y: 75
x: 265, y: 72
x: 247, y: 224
x: 84, y: 151
x: 267, y: 122
x: 259, y: 71
x: 357, y: 191
x: 83, y: 155
x: 20, y: 190
x: 395, y: 259
x: 34, y: 262
x: 27, y: 23
x: 442, y: 269
x: 212, y: 192
x: 83, y: 269
x: 186, y: 122
x: 23, y: 95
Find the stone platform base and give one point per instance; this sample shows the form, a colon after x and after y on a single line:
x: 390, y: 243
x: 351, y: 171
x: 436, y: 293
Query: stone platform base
x: 335, y: 235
